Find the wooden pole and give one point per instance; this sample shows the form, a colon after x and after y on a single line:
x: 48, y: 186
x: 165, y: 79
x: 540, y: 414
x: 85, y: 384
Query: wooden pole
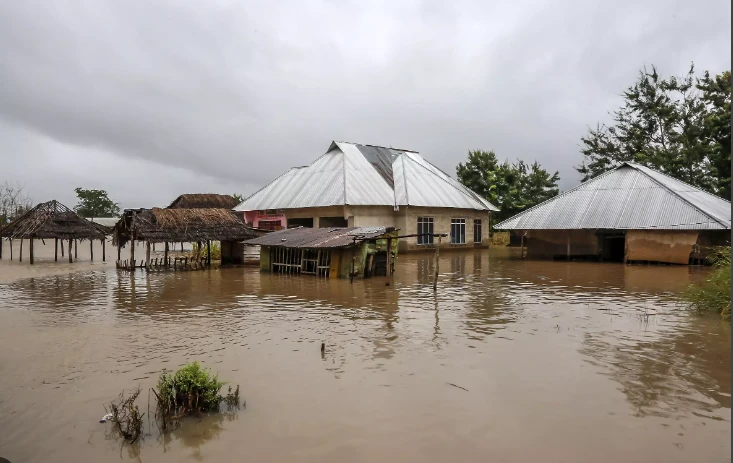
x: 437, y: 264
x: 147, y: 254
x: 31, y: 250
x: 104, y: 253
x: 91, y: 250
x: 11, y: 248
x: 132, y: 251
x: 165, y: 254
x: 21, y: 249
x: 208, y: 253
x: 522, y: 240
x: 62, y: 248
x: 55, y: 249
x: 76, y: 250
x: 1, y: 247
x: 70, y: 243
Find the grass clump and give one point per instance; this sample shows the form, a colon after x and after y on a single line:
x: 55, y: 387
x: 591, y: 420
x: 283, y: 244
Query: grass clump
x: 500, y: 238
x: 713, y: 294
x: 191, y: 389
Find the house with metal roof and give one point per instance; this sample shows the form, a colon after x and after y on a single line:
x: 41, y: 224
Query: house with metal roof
x: 628, y: 214
x: 354, y: 185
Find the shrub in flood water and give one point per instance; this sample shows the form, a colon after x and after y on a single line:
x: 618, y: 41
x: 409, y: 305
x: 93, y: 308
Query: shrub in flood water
x: 713, y: 294
x: 126, y: 417
x: 190, y: 389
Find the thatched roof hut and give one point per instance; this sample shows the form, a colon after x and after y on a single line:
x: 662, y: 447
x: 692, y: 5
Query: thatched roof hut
x: 51, y: 220
x: 158, y: 225
x: 204, y: 201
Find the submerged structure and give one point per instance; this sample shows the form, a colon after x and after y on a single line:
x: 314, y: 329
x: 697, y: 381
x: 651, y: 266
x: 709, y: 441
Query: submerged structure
x: 331, y: 252
x: 354, y: 185
x: 204, y: 201
x: 51, y: 220
x: 200, y: 226
x: 629, y: 214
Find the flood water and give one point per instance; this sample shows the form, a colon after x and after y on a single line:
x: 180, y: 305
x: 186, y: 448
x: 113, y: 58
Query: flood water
x: 511, y: 361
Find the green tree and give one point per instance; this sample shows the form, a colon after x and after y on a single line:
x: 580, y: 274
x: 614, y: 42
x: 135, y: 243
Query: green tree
x: 675, y: 125
x: 238, y: 197
x: 512, y: 187
x: 95, y: 203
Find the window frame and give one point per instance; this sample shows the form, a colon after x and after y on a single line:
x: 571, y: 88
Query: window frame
x: 429, y: 222
x: 460, y: 224
x: 478, y: 226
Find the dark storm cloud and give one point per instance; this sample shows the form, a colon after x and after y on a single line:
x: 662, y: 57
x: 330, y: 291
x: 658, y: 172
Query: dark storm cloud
x: 216, y: 96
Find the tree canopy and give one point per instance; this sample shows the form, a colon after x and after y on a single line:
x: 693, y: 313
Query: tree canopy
x: 677, y: 125
x: 512, y: 187
x: 95, y: 203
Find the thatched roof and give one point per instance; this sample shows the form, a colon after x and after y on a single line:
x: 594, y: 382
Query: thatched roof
x: 182, y: 225
x: 204, y: 201
x: 51, y: 220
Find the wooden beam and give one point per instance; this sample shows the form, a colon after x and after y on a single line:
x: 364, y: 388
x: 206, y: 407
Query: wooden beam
x: 91, y: 249
x: 21, y: 249
x: 1, y: 248
x: 147, y: 255
x: 104, y: 254
x: 11, y: 248
x: 62, y: 248
x: 76, y: 250
x: 132, y: 251
x: 165, y: 255
x: 31, y: 250
x: 437, y: 263
x: 56, y: 250
x: 208, y: 253
x: 71, y: 241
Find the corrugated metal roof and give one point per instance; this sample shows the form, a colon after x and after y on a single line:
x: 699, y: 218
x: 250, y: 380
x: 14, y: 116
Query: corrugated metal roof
x: 365, y: 175
x: 317, y: 237
x: 630, y: 197
x: 105, y: 221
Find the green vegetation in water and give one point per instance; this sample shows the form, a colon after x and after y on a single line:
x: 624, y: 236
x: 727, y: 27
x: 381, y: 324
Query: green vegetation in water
x: 200, y: 252
x: 500, y: 238
x: 191, y: 389
x: 713, y: 294
x: 125, y: 416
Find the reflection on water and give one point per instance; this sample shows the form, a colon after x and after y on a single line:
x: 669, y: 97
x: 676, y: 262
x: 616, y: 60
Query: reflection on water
x: 558, y: 361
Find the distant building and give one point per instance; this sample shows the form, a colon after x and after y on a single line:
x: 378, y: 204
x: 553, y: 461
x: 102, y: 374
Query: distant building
x: 354, y: 185
x: 629, y: 214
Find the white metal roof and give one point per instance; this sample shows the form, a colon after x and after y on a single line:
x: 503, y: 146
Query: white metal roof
x: 630, y: 197
x: 365, y: 175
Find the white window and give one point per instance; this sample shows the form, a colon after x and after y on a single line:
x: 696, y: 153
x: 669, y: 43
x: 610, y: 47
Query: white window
x: 477, y: 230
x: 457, y: 231
x: 425, y: 230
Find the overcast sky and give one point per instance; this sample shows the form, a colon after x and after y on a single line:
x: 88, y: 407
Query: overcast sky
x: 150, y: 99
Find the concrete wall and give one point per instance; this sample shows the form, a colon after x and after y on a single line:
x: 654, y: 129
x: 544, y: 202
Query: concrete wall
x: 554, y: 243
x: 672, y: 247
x: 405, y: 219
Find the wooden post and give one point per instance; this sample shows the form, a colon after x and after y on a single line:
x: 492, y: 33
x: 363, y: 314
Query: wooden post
x: 10, y: 240
x: 208, y: 253
x: 62, y: 248
x: 147, y: 255
x: 21, y: 249
x: 31, y: 250
x: 522, y: 244
x: 132, y: 251
x: 91, y: 250
x: 70, y: 243
x: 76, y: 250
x: 165, y: 255
x: 104, y: 253
x: 1, y: 247
x: 56, y: 250
x: 119, y: 251
x: 437, y: 264
x: 185, y: 265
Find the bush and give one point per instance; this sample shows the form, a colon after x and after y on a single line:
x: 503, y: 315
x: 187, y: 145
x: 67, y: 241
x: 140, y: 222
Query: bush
x: 500, y: 238
x: 200, y: 252
x: 190, y: 389
x: 127, y: 419
x: 713, y: 294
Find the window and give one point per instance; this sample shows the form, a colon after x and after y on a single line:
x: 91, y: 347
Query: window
x: 269, y: 225
x: 425, y: 230
x: 458, y: 231
x: 476, y: 230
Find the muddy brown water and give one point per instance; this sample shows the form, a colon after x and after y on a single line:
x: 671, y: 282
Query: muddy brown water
x: 511, y: 361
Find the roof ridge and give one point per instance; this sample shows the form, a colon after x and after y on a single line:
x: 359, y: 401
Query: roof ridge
x: 637, y: 168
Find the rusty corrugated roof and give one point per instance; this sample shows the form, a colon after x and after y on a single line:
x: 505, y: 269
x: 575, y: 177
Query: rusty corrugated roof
x: 330, y: 237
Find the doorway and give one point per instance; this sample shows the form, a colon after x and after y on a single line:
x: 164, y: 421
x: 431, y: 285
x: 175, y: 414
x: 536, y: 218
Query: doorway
x: 612, y: 245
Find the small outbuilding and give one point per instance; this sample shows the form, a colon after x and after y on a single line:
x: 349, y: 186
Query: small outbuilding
x: 51, y: 220
x: 629, y: 214
x: 331, y: 252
